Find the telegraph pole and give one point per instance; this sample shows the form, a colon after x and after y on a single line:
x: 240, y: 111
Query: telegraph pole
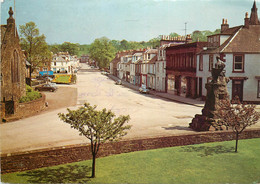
x: 185, y: 28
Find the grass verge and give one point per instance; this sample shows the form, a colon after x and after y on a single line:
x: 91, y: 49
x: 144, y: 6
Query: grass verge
x: 202, y: 163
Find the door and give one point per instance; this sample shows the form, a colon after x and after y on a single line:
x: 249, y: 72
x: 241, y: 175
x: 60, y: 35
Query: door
x: 237, y: 89
x: 9, y: 107
x: 200, y: 87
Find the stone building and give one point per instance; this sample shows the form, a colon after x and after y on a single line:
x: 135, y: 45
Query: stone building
x: 13, y: 67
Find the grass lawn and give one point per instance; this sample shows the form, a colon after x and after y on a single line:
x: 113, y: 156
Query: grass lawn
x: 203, y: 163
x: 62, y: 79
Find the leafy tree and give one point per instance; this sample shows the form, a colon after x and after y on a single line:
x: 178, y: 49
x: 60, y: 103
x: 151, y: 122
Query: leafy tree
x: 72, y: 48
x: 124, y: 45
x: 97, y: 126
x: 237, y: 116
x: 174, y: 34
x: 102, y: 51
x: 155, y: 42
x: 202, y: 35
x: 55, y: 48
x: 35, y: 45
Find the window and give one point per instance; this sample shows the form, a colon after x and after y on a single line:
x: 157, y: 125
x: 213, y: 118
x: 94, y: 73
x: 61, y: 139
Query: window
x: 201, y: 63
x: 258, y: 89
x: 238, y: 64
x: 54, y: 63
x: 210, y: 62
x: 149, y: 56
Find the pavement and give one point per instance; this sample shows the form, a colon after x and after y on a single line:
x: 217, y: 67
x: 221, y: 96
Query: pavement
x: 172, y: 97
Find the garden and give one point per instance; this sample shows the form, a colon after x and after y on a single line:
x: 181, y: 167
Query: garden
x: 64, y: 79
x: 201, y: 163
x: 30, y: 95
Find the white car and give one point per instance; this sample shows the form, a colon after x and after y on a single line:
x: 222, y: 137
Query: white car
x: 143, y: 89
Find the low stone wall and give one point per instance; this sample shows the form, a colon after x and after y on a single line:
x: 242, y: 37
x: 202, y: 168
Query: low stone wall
x: 55, y: 156
x: 26, y: 109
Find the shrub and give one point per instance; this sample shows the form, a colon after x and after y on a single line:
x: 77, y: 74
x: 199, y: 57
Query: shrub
x: 30, y: 95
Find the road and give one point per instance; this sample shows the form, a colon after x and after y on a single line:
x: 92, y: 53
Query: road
x: 150, y: 116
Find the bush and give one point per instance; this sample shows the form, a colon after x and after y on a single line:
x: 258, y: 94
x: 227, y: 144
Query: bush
x: 28, y: 88
x: 30, y: 95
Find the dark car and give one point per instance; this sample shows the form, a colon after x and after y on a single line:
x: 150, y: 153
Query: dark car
x: 46, y: 87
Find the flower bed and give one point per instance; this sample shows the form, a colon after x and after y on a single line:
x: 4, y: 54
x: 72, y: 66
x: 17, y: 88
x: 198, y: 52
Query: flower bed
x: 64, y: 79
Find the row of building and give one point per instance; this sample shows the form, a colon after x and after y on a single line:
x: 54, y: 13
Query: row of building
x: 183, y: 68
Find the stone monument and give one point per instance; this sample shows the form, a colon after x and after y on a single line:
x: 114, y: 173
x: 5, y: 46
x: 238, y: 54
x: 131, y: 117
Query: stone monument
x: 216, y: 94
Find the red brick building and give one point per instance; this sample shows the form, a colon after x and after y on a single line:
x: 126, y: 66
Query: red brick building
x: 181, y: 66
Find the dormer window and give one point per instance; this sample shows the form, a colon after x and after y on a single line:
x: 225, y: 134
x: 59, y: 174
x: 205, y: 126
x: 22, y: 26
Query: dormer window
x: 149, y: 56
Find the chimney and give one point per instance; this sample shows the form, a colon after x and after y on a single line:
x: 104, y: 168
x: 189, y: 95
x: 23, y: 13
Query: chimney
x: 188, y: 38
x: 224, y: 25
x: 246, y: 20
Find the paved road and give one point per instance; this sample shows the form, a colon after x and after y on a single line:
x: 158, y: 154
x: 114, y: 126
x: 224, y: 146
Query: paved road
x: 150, y: 116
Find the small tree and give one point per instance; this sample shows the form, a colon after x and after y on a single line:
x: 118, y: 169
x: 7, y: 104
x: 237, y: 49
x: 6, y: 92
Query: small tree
x: 237, y: 116
x: 97, y: 126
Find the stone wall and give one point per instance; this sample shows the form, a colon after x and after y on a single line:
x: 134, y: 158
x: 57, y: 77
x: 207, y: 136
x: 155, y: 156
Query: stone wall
x: 55, y: 156
x: 27, y: 109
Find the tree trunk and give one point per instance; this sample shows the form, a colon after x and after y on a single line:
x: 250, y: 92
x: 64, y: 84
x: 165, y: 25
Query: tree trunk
x: 93, y: 165
x: 236, y: 141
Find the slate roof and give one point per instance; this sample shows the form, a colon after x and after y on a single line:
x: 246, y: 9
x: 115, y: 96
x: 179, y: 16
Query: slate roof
x: 242, y: 40
x: 153, y: 60
x: 247, y: 40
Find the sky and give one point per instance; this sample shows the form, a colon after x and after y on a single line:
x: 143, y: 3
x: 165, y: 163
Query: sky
x: 82, y: 21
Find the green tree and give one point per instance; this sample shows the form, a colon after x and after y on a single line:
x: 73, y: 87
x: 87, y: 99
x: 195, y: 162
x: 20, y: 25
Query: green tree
x: 35, y: 45
x: 202, y: 35
x: 102, y: 51
x: 155, y: 42
x: 237, y: 116
x: 174, y: 34
x: 72, y: 48
x: 55, y: 48
x: 97, y: 126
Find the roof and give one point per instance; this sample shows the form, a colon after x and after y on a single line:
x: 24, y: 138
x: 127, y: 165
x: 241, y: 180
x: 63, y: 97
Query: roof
x: 153, y: 60
x: 152, y: 51
x: 243, y: 40
x: 246, y: 40
x: 187, y: 45
x: 27, y: 63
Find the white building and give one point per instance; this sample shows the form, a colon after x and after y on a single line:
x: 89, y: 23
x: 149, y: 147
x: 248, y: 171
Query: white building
x: 160, y: 72
x: 147, y: 56
x: 62, y: 62
x: 239, y: 48
x: 151, y: 78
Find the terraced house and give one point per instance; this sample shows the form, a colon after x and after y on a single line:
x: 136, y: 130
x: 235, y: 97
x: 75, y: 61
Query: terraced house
x: 62, y: 62
x: 239, y: 48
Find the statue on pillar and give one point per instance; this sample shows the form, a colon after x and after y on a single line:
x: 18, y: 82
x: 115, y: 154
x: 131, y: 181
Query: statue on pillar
x: 216, y: 94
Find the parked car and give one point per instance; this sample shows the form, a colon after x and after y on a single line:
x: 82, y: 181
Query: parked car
x: 118, y: 82
x: 47, y: 87
x: 104, y: 73
x: 143, y: 89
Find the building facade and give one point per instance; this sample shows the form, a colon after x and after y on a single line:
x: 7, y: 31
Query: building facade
x: 239, y: 48
x: 181, y: 68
